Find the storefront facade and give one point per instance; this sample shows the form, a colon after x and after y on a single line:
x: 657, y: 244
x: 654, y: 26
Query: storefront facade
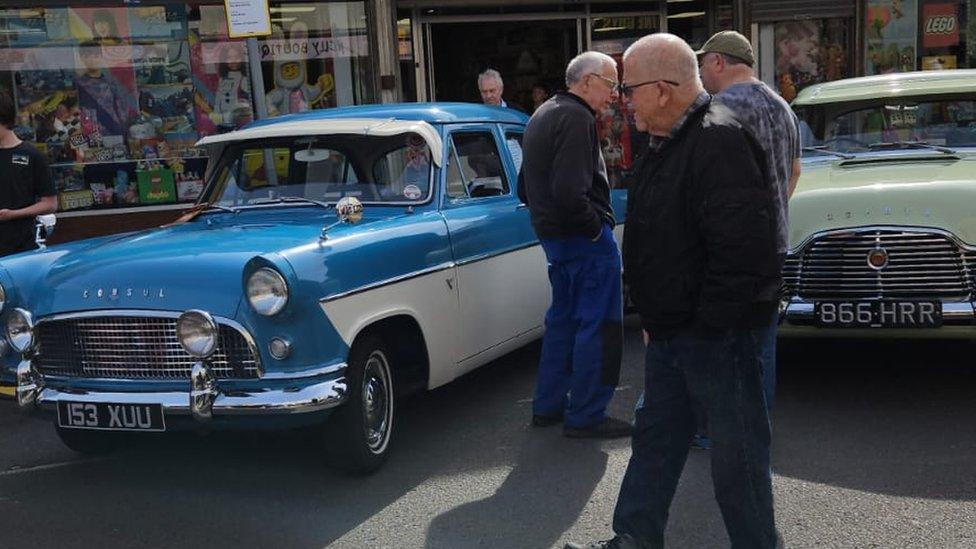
x: 117, y: 92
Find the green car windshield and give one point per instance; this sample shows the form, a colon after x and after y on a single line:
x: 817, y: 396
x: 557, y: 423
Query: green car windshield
x: 323, y: 169
x: 889, y: 124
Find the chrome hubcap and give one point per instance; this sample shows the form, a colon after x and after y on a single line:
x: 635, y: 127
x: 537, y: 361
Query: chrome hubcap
x: 377, y: 402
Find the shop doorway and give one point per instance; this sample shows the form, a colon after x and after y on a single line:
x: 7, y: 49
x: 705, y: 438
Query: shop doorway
x: 526, y: 53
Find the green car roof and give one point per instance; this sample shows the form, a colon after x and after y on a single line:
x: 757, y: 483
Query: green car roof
x: 889, y: 85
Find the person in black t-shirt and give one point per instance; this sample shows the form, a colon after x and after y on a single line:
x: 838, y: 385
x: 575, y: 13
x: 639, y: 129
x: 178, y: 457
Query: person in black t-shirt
x: 26, y: 190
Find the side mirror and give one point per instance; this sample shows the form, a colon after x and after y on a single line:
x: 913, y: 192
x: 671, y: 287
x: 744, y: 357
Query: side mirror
x: 45, y: 228
x: 349, y: 210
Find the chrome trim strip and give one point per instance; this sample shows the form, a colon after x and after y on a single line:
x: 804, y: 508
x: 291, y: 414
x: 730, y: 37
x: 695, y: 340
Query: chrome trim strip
x: 315, y: 372
x: 313, y: 398
x: 869, y: 228
x: 394, y: 280
x: 163, y: 314
x: 490, y: 255
x: 270, y: 376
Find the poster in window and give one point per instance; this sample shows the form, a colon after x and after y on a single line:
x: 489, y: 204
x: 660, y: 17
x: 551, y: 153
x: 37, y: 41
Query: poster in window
x: 890, y: 35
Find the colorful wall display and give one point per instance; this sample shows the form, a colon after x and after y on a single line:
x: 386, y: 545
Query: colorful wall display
x: 808, y: 52
x: 891, y: 31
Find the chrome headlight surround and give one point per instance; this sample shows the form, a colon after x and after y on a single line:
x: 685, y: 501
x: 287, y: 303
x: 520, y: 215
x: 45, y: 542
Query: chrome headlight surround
x: 267, y: 291
x: 197, y: 333
x: 20, y: 330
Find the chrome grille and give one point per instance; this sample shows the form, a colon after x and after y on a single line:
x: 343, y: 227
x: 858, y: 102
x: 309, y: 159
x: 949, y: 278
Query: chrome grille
x: 920, y: 265
x: 133, y: 347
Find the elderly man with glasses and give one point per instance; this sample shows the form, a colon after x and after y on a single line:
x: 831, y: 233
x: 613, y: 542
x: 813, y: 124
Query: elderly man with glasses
x: 701, y: 262
x: 564, y: 183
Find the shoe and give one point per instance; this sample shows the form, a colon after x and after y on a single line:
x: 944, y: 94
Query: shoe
x: 620, y: 542
x: 701, y: 442
x: 545, y: 421
x: 610, y: 427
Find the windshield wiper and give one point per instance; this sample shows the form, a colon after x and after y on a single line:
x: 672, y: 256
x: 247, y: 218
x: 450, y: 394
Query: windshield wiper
x: 911, y: 145
x: 219, y: 207
x: 824, y: 150
x: 291, y: 199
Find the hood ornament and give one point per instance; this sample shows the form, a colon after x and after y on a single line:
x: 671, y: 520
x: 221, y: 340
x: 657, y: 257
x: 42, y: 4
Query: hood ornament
x: 349, y: 210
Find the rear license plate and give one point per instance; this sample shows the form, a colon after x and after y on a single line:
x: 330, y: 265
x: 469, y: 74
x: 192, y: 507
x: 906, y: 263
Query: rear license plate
x: 104, y: 416
x: 878, y: 314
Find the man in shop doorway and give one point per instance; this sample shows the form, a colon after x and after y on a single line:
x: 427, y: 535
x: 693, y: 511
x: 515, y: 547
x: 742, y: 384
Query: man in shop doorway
x: 564, y: 183
x: 491, y: 87
x: 726, y: 63
x: 26, y: 190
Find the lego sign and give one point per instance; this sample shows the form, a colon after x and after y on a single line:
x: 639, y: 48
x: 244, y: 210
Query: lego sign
x: 940, y: 25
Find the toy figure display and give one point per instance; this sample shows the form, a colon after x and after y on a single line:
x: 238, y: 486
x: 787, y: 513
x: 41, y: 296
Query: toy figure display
x: 232, y: 100
x: 106, y: 105
x: 808, y: 52
x: 292, y: 92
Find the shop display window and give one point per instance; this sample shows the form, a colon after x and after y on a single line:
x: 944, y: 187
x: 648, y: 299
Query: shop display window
x: 810, y: 51
x: 118, y: 96
x: 317, y: 57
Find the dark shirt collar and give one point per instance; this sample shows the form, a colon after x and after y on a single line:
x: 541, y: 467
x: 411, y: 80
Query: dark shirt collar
x: 657, y: 142
x: 576, y: 98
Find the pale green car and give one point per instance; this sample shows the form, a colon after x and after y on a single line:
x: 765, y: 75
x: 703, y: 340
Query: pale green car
x: 883, y: 219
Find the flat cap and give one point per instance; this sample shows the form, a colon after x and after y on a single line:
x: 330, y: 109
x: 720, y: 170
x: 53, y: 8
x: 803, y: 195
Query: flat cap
x: 729, y: 43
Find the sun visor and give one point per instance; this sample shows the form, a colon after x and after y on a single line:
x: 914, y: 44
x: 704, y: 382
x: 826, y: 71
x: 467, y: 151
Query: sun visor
x: 332, y: 126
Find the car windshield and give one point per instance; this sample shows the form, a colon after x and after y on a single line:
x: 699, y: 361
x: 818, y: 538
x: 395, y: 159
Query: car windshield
x: 890, y: 124
x: 374, y: 169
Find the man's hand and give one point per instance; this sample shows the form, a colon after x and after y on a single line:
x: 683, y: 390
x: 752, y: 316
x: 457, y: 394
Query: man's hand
x: 647, y: 337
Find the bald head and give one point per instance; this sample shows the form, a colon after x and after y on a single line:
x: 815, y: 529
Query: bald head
x: 667, y: 56
x: 661, y: 74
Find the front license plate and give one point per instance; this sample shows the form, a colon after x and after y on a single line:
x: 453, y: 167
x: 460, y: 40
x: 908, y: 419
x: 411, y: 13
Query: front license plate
x: 878, y: 314
x: 104, y: 416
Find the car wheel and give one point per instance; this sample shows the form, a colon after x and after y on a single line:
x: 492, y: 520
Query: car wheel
x: 360, y: 431
x: 89, y: 442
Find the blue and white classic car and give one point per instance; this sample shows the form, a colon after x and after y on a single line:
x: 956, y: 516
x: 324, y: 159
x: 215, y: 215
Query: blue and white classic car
x: 258, y: 308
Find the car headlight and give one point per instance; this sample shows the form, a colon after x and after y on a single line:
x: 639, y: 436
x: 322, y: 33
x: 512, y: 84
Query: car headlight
x: 267, y: 291
x: 20, y: 330
x: 3, y: 297
x: 197, y: 333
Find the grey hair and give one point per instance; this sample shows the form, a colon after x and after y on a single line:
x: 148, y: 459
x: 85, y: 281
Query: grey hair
x: 586, y: 63
x: 490, y: 73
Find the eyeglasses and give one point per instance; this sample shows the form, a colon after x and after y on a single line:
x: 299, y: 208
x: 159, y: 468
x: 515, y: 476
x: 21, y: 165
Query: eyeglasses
x: 614, y: 85
x: 627, y: 90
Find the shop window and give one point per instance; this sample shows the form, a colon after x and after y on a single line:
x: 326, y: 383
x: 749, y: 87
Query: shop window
x: 474, y: 169
x: 944, y: 36
x: 317, y: 57
x: 809, y: 52
x: 118, y: 96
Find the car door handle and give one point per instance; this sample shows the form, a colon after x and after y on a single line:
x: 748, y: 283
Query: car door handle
x: 521, y: 206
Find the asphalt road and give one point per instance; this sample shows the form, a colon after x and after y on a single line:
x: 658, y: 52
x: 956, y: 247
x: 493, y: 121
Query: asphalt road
x: 874, y: 446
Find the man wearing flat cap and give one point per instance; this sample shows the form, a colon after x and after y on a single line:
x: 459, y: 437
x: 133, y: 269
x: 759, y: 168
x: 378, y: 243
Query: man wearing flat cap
x: 726, y: 63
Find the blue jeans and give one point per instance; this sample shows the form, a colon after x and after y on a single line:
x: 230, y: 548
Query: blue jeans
x: 581, y: 350
x: 767, y: 357
x: 719, y: 375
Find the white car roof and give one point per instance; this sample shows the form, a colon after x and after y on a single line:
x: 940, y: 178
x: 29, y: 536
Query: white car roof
x: 334, y: 126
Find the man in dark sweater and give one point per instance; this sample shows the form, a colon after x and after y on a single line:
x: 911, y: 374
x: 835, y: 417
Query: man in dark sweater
x: 564, y: 182
x: 26, y: 190
x: 701, y: 261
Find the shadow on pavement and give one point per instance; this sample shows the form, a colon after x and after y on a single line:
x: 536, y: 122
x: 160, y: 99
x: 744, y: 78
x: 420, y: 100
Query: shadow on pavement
x: 886, y: 416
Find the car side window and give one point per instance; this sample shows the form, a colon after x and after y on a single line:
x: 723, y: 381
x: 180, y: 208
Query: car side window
x: 474, y: 167
x: 513, y: 140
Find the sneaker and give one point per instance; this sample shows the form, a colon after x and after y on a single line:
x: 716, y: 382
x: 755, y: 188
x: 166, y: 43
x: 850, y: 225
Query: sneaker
x: 545, y: 421
x: 610, y: 427
x: 620, y: 542
x: 701, y: 442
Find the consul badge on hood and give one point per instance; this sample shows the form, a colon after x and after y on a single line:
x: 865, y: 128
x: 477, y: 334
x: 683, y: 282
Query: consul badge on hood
x: 115, y: 293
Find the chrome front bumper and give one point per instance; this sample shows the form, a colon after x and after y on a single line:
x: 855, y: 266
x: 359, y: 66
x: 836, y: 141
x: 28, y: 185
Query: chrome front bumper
x: 202, y: 400
x: 958, y: 321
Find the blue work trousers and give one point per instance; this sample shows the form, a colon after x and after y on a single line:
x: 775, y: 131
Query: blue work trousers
x: 581, y: 350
